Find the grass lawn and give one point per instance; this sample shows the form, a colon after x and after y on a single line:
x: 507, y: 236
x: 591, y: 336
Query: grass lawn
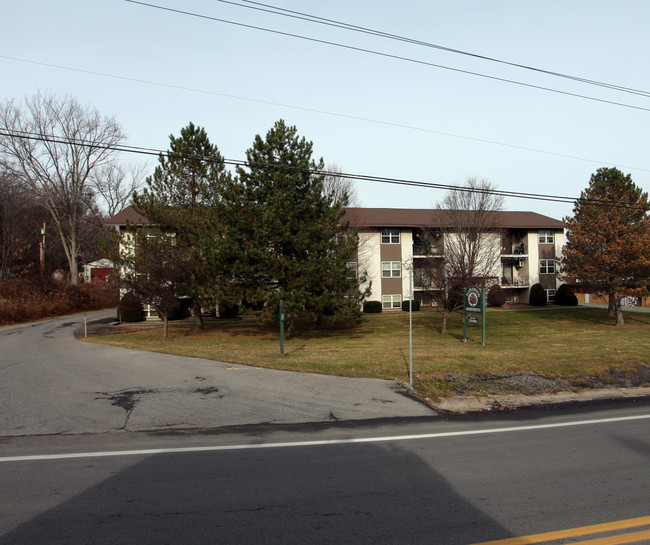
x: 550, y: 341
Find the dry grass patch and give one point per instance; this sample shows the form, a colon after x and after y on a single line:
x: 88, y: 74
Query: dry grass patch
x: 554, y: 342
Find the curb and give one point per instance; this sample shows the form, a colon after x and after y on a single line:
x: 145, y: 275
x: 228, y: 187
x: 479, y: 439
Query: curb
x: 509, y: 402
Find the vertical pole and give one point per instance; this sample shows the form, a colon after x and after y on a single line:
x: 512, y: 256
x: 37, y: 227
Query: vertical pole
x: 483, y: 313
x: 464, y: 316
x: 281, y: 328
x: 85, y: 327
x: 411, y: 327
x: 42, y: 251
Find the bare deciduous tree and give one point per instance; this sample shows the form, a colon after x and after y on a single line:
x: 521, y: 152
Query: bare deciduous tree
x: 341, y: 189
x: 114, y: 185
x: 16, y: 203
x: 472, y: 231
x: 468, y: 225
x: 56, y: 144
x: 153, y: 267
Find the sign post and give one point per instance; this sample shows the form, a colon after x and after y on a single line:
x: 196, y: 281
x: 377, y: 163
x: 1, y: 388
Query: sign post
x: 282, y: 328
x: 473, y: 303
x: 483, y: 305
x: 411, y: 327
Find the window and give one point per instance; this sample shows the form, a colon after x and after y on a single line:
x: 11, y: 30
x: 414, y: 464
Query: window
x: 550, y: 295
x: 546, y: 236
x: 546, y: 266
x: 390, y: 236
x: 391, y: 301
x: 422, y: 278
x: 391, y: 269
x: 352, y: 269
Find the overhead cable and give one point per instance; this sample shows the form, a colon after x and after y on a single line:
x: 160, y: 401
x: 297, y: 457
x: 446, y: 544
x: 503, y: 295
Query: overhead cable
x: 250, y: 4
x: 320, y: 172
x: 387, y: 55
x: 319, y: 111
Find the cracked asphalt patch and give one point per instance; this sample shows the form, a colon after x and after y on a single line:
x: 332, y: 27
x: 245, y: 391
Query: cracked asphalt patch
x: 125, y: 398
x: 129, y: 398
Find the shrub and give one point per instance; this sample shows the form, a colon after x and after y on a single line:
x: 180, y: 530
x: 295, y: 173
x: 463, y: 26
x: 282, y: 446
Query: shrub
x: 228, y: 311
x: 33, y: 298
x: 496, y: 297
x: 130, y: 308
x: 415, y: 305
x: 565, y: 296
x: 179, y: 309
x: 537, y: 295
x: 372, y: 307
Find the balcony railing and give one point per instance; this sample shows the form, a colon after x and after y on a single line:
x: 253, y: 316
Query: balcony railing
x: 515, y: 250
x: 516, y: 282
x: 423, y: 250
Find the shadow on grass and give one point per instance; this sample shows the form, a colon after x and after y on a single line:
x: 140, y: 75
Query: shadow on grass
x: 582, y: 315
x: 304, y: 329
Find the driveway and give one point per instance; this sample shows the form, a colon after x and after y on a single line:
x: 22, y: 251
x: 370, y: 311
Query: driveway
x: 51, y: 383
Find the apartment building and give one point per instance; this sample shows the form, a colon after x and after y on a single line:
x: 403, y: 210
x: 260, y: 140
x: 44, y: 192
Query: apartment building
x: 398, y: 244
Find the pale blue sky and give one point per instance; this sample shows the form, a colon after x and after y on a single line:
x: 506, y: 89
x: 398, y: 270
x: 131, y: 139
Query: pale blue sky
x: 601, y: 40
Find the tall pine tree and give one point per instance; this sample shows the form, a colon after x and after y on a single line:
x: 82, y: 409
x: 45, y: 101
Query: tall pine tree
x: 180, y: 195
x: 284, y: 236
x: 608, y: 238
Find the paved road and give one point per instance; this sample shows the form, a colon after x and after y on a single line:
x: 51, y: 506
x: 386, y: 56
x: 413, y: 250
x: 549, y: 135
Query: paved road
x: 334, y: 473
x: 51, y: 383
x: 457, y: 482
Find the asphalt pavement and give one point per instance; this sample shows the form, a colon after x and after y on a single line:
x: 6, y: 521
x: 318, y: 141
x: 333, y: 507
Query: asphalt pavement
x: 52, y: 383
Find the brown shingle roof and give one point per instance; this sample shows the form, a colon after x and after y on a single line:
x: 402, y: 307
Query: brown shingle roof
x: 392, y: 217
x: 128, y: 215
x: 429, y: 217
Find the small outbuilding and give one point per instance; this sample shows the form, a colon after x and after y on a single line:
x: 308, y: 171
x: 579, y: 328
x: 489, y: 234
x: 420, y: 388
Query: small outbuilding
x: 98, y: 271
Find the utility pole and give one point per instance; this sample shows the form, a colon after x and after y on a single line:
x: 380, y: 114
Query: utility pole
x: 42, y: 251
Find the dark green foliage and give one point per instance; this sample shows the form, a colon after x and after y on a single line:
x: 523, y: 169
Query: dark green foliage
x: 228, y: 311
x: 454, y: 298
x: 415, y: 305
x: 130, y: 308
x: 178, y: 309
x: 537, y: 296
x: 496, y: 296
x: 284, y: 238
x: 372, y: 307
x: 185, y: 178
x: 181, y: 197
x: 565, y: 296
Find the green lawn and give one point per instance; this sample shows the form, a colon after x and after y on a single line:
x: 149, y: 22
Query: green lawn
x: 548, y: 341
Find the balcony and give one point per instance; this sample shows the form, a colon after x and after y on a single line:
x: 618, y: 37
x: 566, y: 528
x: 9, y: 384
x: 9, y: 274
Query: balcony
x: 515, y: 250
x: 427, y: 250
x: 514, y: 282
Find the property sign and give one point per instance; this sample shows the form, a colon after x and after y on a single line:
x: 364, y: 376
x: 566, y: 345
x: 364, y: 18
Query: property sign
x: 473, y: 303
x: 473, y: 300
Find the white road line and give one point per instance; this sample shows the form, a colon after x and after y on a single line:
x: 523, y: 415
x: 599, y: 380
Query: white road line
x: 359, y: 440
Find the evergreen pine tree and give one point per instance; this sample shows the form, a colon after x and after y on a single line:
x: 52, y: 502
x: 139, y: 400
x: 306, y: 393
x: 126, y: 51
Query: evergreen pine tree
x: 180, y: 197
x: 284, y: 235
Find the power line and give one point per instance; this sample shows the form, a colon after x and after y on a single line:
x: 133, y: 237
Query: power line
x: 387, y: 55
x: 267, y: 8
x: 357, y: 177
x: 322, y: 112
